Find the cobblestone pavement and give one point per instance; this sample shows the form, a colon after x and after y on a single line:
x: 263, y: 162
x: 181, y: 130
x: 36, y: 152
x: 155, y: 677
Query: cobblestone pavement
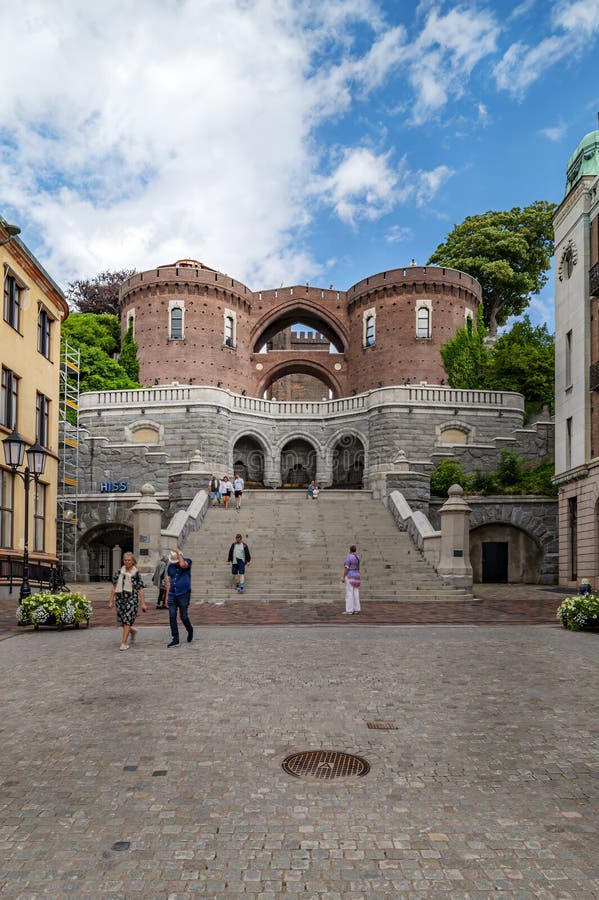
x: 156, y: 773
x: 497, y: 604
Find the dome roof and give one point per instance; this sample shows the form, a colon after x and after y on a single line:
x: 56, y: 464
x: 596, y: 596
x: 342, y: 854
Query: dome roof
x: 584, y: 160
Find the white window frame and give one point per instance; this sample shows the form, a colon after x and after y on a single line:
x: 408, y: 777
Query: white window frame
x: 367, y: 316
x: 172, y: 305
x: 232, y: 315
x: 424, y: 304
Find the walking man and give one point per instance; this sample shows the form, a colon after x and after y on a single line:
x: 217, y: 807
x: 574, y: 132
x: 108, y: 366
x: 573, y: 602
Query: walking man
x: 178, y: 591
x: 214, y: 489
x: 238, y: 486
x: 239, y: 557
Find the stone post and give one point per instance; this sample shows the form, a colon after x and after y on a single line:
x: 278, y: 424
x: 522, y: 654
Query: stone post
x: 147, y: 522
x: 454, y: 562
x: 117, y: 558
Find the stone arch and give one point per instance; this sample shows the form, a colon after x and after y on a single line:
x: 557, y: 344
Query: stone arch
x: 248, y: 453
x: 98, y: 544
x: 294, y: 311
x: 304, y: 367
x: 454, y: 431
x: 299, y: 456
x: 348, y: 457
x: 531, y: 545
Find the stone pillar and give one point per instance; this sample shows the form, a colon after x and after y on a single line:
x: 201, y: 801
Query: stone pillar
x: 147, y: 522
x: 454, y: 562
x: 117, y: 557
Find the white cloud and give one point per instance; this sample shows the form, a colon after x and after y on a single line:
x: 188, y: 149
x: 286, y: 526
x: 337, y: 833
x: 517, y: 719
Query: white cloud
x: 554, y: 133
x: 575, y: 23
x: 449, y: 46
x: 399, y: 234
x: 365, y: 185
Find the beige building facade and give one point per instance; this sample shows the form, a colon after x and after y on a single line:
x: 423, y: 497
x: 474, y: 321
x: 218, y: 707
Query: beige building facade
x: 576, y: 225
x: 33, y: 308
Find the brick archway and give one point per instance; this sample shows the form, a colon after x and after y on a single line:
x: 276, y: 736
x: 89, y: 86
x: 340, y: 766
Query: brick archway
x: 325, y: 372
x: 306, y: 312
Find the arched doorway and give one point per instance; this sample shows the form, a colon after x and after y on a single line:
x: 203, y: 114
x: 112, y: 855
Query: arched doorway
x: 100, y: 542
x: 348, y: 462
x: 298, y: 463
x: 248, y: 460
x: 504, y: 553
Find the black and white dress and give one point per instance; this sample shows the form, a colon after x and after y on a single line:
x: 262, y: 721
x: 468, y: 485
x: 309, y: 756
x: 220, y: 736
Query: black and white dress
x: 127, y: 602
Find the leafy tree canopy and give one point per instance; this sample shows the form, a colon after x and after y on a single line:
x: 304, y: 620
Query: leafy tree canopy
x: 466, y: 356
x: 99, y: 294
x: 523, y: 359
x: 98, y: 339
x: 508, y: 252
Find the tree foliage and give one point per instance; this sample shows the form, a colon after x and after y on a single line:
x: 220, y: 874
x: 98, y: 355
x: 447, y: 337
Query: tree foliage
x: 523, y: 359
x: 466, y: 356
x: 128, y: 356
x: 99, y: 294
x: 508, y: 252
x: 98, y: 339
x: 512, y: 476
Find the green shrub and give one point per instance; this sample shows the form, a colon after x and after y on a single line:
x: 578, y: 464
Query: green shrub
x: 448, y: 472
x: 576, y: 612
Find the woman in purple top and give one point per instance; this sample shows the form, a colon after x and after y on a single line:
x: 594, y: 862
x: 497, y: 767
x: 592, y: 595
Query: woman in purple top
x: 351, y: 577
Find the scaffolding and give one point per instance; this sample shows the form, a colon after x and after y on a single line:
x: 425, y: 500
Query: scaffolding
x: 68, y: 468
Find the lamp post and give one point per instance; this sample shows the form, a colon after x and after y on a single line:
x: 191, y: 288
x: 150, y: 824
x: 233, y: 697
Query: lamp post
x: 11, y: 230
x: 14, y: 453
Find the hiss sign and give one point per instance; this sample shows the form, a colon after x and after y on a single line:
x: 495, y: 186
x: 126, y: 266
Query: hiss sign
x: 114, y: 487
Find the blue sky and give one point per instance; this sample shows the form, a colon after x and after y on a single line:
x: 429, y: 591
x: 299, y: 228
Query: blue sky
x: 279, y: 141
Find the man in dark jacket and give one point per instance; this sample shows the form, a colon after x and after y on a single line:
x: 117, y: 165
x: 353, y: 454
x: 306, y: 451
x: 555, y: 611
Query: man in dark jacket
x: 178, y: 591
x: 239, y: 557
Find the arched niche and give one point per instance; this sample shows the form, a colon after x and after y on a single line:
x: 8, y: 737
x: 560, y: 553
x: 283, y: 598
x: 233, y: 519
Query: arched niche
x: 248, y: 459
x: 298, y: 463
x: 348, y: 462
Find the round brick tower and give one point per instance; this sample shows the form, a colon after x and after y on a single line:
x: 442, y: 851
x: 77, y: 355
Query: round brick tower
x: 398, y: 321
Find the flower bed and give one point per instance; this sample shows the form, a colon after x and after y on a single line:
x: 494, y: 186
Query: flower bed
x: 579, y: 612
x: 60, y: 610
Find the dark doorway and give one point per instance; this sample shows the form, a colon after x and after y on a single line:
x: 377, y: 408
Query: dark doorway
x: 298, y: 463
x: 495, y: 562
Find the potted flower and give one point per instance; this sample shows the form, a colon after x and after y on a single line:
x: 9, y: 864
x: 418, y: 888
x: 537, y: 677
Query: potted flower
x: 60, y: 610
x: 579, y: 612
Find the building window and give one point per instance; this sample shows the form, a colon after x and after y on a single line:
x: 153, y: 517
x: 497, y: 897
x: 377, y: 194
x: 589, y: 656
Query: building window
x: 39, y: 518
x: 9, y: 399
x: 369, y: 328
x: 42, y: 420
x: 569, y: 359
x: 12, y: 301
x: 7, y: 482
x: 423, y: 322
x: 131, y: 321
x: 176, y: 324
x: 44, y: 329
x: 230, y: 328
x: 573, y: 536
x: 569, y: 443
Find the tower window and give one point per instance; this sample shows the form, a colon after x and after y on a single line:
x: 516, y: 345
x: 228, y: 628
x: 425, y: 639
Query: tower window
x: 176, y: 323
x: 423, y: 322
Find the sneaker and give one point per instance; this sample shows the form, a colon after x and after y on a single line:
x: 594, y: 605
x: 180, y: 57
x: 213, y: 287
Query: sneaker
x: 190, y: 636
x: 124, y: 647
x: 173, y: 644
x: 241, y: 589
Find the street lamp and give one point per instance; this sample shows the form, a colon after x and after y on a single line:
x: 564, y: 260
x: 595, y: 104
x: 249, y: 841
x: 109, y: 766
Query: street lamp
x: 14, y: 453
x: 11, y: 230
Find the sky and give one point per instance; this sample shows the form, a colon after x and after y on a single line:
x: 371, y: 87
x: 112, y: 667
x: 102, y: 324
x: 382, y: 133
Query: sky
x: 284, y: 141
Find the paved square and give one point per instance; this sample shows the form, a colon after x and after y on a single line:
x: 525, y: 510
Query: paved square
x: 157, y: 773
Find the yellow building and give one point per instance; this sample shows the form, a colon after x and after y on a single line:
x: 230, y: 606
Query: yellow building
x: 33, y: 309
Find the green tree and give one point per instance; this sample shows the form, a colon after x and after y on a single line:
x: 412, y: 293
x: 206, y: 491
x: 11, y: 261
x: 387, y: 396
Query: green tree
x: 508, y: 252
x: 99, y: 294
x: 523, y: 359
x: 98, y: 339
x: 449, y: 471
x: 466, y: 356
x: 128, y: 356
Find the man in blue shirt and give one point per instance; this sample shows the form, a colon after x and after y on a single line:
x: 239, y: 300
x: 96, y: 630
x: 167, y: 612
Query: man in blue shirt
x: 178, y: 591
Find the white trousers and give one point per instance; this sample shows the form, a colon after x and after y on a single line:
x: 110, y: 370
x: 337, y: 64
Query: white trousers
x: 352, y: 597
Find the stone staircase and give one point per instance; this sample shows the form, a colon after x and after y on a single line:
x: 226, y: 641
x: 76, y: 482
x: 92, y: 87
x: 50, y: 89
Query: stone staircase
x: 298, y: 547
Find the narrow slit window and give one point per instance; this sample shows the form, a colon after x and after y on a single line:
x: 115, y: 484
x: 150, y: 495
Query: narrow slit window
x: 176, y: 325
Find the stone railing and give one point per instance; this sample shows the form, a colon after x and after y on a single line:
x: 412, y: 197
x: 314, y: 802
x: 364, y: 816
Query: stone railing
x: 184, y: 521
x: 404, y: 395
x: 418, y: 527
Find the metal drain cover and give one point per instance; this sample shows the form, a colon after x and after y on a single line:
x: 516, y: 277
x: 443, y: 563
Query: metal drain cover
x: 325, y: 765
x: 382, y: 725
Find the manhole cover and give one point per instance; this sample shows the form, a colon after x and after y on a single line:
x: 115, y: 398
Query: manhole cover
x: 325, y: 764
x: 382, y: 725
